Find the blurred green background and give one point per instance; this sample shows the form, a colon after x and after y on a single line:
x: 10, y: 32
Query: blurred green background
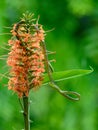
x: 75, y: 40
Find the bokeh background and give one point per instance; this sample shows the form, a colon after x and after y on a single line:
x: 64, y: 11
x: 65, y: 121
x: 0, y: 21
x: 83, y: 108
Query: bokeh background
x: 75, y: 40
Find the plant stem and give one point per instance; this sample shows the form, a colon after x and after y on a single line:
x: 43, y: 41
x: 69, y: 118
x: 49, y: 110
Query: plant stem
x: 26, y: 113
x: 52, y: 84
x: 46, y: 61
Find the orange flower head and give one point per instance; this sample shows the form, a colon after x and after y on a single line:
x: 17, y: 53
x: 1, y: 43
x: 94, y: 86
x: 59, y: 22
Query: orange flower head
x: 26, y: 58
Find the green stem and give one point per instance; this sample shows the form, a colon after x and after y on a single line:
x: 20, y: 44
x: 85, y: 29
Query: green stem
x: 52, y: 84
x: 46, y: 61
x: 26, y: 113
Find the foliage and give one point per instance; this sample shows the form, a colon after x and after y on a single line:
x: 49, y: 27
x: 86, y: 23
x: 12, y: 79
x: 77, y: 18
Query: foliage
x: 64, y: 75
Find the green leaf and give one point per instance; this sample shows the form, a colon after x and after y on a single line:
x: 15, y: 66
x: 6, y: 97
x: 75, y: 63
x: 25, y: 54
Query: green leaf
x: 64, y: 75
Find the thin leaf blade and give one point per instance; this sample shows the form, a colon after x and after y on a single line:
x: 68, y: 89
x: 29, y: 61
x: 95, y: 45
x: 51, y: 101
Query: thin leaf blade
x: 68, y: 74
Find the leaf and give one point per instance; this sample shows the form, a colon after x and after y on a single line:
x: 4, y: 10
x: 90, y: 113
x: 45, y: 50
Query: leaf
x: 64, y: 75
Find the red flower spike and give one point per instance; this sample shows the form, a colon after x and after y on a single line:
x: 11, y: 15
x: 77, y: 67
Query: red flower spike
x: 26, y: 59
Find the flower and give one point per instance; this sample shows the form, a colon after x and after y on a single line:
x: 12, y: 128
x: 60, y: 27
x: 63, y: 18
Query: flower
x: 26, y: 59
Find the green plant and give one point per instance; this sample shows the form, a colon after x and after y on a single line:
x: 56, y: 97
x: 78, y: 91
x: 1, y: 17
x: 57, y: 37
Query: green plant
x: 30, y: 67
